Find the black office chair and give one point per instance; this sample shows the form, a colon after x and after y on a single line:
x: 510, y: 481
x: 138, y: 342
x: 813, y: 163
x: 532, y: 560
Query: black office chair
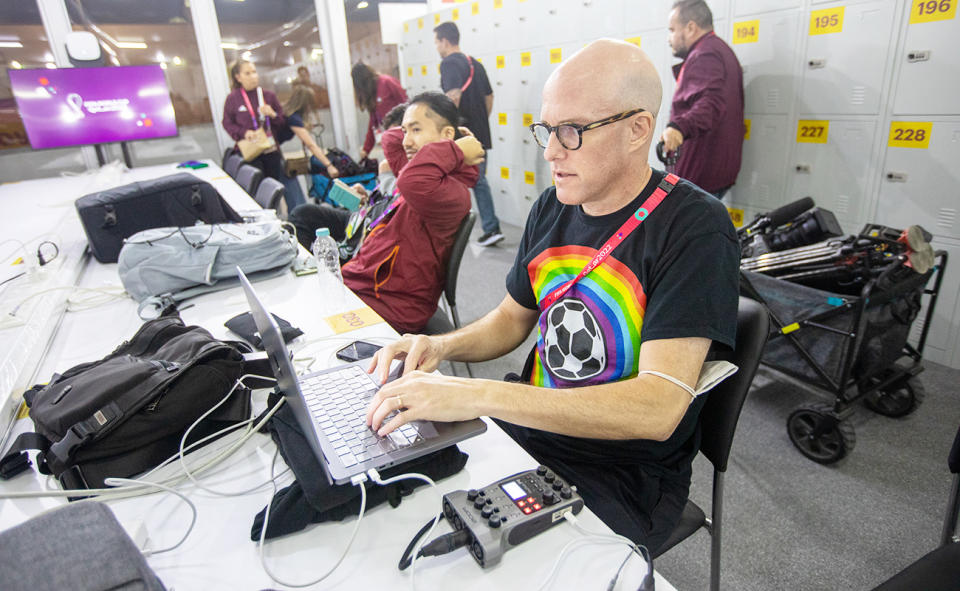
x: 249, y: 177
x: 269, y: 193
x: 232, y: 164
x: 938, y: 570
x: 440, y: 323
x: 718, y: 422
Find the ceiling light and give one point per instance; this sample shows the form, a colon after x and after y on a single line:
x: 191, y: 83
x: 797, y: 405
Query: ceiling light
x: 131, y: 45
x: 229, y: 46
x: 362, y: 4
x: 50, y: 65
x: 115, y: 61
x: 16, y: 65
x: 286, y: 44
x: 246, y: 55
x: 10, y: 44
x: 163, y: 65
x: 177, y: 61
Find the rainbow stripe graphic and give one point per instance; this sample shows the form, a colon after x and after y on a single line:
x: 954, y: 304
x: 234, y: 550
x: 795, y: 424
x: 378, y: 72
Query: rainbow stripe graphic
x: 611, y: 292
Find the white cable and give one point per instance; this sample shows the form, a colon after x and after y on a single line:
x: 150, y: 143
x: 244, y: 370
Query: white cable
x: 193, y: 509
x: 375, y: 477
x: 357, y: 481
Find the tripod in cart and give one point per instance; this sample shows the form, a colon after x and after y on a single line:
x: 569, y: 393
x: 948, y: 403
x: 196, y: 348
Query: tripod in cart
x: 841, y: 310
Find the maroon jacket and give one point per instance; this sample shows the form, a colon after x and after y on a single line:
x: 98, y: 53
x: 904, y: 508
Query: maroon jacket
x: 389, y: 95
x: 708, y: 110
x: 236, y: 119
x: 401, y: 267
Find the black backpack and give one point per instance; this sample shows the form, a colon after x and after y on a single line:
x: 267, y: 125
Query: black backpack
x: 126, y: 413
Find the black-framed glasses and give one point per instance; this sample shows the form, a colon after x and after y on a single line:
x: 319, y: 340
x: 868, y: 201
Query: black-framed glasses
x: 571, y: 134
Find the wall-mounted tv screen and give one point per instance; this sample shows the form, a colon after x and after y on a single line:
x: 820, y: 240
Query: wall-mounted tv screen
x: 82, y: 106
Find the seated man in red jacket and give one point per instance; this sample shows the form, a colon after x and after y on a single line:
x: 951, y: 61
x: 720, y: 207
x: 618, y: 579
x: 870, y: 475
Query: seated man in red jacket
x: 400, y: 269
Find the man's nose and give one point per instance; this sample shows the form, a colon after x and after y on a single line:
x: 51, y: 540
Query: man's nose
x: 554, y: 150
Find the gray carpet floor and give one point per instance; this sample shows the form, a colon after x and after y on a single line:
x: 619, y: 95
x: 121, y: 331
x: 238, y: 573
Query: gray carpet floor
x: 790, y: 523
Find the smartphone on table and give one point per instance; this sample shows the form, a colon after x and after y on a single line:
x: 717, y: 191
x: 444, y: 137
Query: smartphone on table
x: 357, y: 350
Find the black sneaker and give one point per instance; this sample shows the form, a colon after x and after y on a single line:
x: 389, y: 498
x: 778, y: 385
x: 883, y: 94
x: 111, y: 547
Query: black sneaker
x: 490, y: 238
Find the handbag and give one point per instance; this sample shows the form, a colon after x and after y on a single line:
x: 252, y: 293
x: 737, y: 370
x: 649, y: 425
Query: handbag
x: 250, y: 149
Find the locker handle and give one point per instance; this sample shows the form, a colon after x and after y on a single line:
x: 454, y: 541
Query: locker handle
x: 918, y: 55
x: 804, y: 168
x: 552, y: 11
x: 896, y: 177
x: 816, y: 64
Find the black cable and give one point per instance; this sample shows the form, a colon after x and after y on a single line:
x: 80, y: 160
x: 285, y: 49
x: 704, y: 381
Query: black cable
x: 12, y: 278
x: 406, y: 559
x: 438, y: 546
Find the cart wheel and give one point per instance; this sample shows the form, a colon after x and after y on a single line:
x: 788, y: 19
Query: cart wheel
x: 817, y: 432
x: 896, y: 403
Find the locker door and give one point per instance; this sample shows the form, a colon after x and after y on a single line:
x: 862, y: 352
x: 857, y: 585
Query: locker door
x: 505, y: 35
x: 502, y: 176
x: 503, y: 133
x: 766, y: 45
x: 598, y: 18
x: 534, y: 69
x: 929, y: 80
x: 744, y: 7
x: 531, y: 23
x: 835, y: 172
x: 847, y: 50
x: 477, y: 24
x: 761, y: 182
x: 503, y: 69
x: 647, y: 16
x: 912, y: 189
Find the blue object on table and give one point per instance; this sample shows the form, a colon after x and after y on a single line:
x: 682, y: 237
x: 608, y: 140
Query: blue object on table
x: 194, y: 164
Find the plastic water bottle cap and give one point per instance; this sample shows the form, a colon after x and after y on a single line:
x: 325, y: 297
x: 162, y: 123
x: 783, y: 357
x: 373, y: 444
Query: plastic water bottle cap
x: 323, y: 232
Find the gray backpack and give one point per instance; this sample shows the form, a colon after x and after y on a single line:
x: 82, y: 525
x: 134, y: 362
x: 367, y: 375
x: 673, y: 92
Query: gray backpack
x: 164, y: 266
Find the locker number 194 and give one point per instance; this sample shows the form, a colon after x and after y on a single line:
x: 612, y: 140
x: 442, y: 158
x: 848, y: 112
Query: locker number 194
x: 925, y: 11
x: 746, y: 32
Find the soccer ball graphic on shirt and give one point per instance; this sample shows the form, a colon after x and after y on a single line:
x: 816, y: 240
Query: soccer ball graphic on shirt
x: 574, y: 348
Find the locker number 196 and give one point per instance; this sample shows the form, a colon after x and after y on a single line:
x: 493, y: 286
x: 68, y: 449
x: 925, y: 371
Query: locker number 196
x: 925, y: 11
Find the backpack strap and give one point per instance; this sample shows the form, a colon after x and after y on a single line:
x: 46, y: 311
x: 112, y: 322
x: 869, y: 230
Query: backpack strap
x: 16, y: 459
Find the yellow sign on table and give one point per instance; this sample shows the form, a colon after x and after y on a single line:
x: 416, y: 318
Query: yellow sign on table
x: 634, y: 40
x: 525, y: 58
x: 746, y: 32
x: 528, y: 177
x: 556, y: 55
x: 502, y: 118
x: 746, y: 129
x: 927, y: 11
x: 527, y: 119
x: 504, y: 172
x: 910, y: 134
x: 828, y: 20
x: 811, y: 131
x: 736, y: 216
x: 352, y: 320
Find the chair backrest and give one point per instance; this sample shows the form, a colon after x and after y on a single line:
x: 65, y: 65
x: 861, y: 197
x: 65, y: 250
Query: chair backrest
x: 719, y: 416
x: 232, y: 163
x: 269, y: 193
x: 456, y: 255
x: 249, y: 177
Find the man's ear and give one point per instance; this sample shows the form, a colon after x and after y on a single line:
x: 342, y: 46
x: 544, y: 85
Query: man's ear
x: 448, y: 132
x: 641, y: 130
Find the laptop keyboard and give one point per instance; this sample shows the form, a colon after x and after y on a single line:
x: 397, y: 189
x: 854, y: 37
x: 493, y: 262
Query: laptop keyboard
x: 338, y: 403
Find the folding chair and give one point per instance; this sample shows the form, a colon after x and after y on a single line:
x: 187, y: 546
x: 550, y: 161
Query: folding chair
x: 718, y: 422
x: 249, y: 177
x: 269, y: 193
x: 232, y: 164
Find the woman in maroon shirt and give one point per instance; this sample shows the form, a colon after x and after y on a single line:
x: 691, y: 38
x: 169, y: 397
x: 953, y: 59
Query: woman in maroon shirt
x: 240, y: 123
x: 376, y: 94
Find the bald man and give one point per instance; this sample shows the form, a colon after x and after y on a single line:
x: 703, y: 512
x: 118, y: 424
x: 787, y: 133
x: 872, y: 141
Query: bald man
x: 607, y: 403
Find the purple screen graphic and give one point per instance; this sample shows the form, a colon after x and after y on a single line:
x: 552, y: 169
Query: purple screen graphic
x: 82, y: 106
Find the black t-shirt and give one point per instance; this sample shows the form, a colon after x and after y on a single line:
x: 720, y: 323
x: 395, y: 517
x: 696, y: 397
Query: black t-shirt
x: 454, y: 72
x: 674, y: 276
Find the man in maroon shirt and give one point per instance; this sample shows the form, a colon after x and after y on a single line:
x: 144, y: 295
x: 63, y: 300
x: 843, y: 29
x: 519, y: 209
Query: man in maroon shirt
x: 706, y: 115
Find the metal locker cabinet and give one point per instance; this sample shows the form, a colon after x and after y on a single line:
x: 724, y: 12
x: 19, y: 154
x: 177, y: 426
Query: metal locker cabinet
x: 770, y: 61
x: 531, y: 29
x: 563, y: 20
x: 505, y: 34
x: 929, y: 81
x: 919, y: 185
x: 476, y: 32
x: 648, y: 16
x: 502, y: 176
x: 836, y: 173
x: 503, y: 70
x: 762, y: 182
x: 844, y: 71
x: 503, y: 132
x: 744, y: 7
x: 599, y: 18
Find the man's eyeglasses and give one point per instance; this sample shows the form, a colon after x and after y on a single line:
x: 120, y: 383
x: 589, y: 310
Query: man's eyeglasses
x: 571, y: 134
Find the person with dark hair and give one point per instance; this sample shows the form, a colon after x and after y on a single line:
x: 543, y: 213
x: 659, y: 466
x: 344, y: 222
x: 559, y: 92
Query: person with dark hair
x: 628, y: 275
x: 248, y: 108
x: 376, y: 94
x: 400, y: 268
x: 464, y: 80
x: 321, y: 98
x: 706, y: 115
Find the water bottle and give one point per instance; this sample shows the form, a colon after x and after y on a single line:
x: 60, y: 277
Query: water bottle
x: 327, y: 255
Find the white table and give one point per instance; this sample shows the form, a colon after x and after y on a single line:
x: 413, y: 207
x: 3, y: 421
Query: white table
x: 219, y: 554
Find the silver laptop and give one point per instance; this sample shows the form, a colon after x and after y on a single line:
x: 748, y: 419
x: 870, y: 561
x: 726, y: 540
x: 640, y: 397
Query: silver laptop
x: 331, y: 408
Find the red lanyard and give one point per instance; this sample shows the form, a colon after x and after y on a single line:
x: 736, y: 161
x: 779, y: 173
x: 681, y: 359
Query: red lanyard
x: 470, y: 79
x: 645, y: 209
x: 253, y: 115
